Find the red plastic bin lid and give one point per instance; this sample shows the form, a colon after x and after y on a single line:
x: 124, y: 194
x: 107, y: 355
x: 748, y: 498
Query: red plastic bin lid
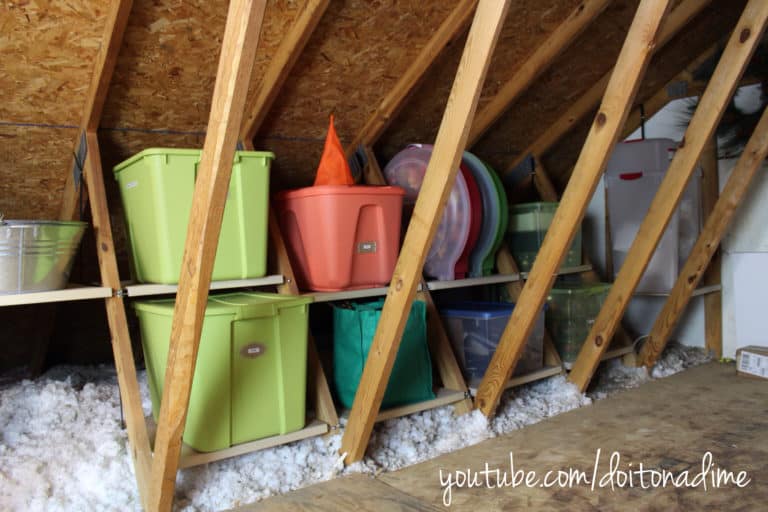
x: 337, y: 190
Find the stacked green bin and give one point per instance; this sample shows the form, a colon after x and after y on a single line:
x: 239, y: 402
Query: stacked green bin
x: 572, y: 309
x: 528, y: 223
x: 156, y: 187
x: 250, y: 375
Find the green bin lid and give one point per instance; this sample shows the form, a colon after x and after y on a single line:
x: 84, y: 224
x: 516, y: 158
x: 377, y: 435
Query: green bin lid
x: 577, y: 288
x: 241, y: 305
x: 184, y: 152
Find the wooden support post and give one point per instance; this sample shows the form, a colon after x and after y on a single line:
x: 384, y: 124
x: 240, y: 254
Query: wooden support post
x: 106, y: 58
x: 391, y: 104
x: 622, y: 87
x: 280, y: 66
x: 676, y: 20
x: 439, y: 343
x: 713, y: 302
x: 317, y: 383
x: 241, y: 36
x: 740, y: 47
x: 128, y: 384
x: 506, y: 264
x: 562, y: 37
x: 722, y: 214
x: 441, y: 172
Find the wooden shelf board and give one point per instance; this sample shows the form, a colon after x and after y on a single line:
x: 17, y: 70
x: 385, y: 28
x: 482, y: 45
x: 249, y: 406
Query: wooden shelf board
x: 436, y: 285
x: 73, y: 292
x: 702, y: 290
x: 443, y: 397
x: 473, y: 281
x: 611, y: 353
x: 543, y: 373
x: 144, y: 290
x: 191, y: 457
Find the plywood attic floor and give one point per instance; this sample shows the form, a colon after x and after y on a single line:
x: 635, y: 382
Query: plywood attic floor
x: 667, y: 423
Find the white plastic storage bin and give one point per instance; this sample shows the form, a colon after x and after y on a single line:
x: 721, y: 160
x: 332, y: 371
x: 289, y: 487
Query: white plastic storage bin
x: 632, y: 178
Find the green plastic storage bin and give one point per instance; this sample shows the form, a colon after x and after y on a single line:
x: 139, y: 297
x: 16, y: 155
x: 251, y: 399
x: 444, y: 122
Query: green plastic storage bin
x: 156, y: 187
x: 250, y: 376
x: 572, y: 309
x: 528, y: 223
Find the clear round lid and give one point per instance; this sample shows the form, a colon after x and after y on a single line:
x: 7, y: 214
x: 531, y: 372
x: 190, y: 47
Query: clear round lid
x: 407, y: 170
x: 491, y: 214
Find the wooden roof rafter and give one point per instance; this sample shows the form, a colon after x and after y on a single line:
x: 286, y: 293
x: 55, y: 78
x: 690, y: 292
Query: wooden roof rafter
x: 741, y: 46
x: 562, y: 37
x: 441, y: 171
x: 587, y: 102
x: 620, y: 92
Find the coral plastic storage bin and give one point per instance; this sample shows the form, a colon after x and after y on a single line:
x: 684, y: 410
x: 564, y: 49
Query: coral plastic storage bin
x: 475, y: 329
x: 341, y: 237
x: 156, y: 187
x: 250, y: 375
x: 571, y: 311
x: 528, y: 223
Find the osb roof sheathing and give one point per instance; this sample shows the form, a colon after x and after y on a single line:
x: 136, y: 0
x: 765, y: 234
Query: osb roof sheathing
x: 163, y: 82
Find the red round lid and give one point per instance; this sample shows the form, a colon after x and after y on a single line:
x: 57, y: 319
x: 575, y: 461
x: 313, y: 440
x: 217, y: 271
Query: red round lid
x: 475, y: 222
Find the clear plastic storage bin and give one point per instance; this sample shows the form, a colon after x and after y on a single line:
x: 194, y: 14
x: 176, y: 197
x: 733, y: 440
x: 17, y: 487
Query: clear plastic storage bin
x: 475, y: 329
x: 528, y: 223
x: 633, y: 175
x: 571, y: 311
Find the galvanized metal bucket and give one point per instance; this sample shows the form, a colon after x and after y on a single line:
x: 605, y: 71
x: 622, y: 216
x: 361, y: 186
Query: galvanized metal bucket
x: 37, y: 255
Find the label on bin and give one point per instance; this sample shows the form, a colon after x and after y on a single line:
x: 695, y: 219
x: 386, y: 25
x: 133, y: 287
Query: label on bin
x: 364, y: 247
x: 253, y: 350
x: 131, y: 184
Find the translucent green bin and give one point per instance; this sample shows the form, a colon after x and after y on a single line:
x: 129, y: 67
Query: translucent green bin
x: 250, y: 376
x: 156, y: 187
x: 572, y: 309
x: 528, y: 223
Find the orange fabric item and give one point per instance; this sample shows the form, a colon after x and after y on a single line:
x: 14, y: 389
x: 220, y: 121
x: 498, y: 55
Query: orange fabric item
x: 333, y: 168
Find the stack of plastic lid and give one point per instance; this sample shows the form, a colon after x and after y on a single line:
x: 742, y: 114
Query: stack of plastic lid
x: 494, y: 216
x: 475, y: 225
x: 407, y: 170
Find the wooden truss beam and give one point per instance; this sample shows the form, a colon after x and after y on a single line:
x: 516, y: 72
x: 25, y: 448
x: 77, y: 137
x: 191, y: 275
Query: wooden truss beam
x: 718, y: 221
x: 713, y: 302
x: 535, y: 65
x: 280, y: 66
x: 740, y: 47
x: 439, y: 344
x: 317, y: 384
x: 677, y: 19
x: 106, y: 58
x: 138, y: 438
x: 441, y: 172
x: 622, y: 87
x: 390, y: 105
x: 241, y: 36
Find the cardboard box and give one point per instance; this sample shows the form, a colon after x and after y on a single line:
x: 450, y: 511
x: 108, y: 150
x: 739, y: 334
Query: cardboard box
x: 752, y: 361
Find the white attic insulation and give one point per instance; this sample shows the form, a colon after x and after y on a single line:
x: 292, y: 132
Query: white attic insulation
x: 62, y: 447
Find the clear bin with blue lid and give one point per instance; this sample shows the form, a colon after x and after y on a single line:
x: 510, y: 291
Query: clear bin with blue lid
x: 407, y: 170
x: 475, y: 329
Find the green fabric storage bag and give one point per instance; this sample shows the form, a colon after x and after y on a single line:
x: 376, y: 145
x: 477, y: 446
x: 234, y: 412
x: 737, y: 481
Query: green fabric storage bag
x: 353, y: 330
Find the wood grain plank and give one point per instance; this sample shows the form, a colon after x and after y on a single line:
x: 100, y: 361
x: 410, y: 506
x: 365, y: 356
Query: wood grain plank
x: 562, y: 37
x: 104, y: 66
x: 280, y: 66
x: 241, y: 36
x: 676, y: 20
x: 394, y: 100
x: 739, y: 50
x: 440, y: 173
x: 620, y: 93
